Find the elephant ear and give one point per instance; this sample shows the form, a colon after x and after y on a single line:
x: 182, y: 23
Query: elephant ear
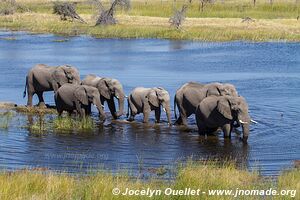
x: 152, y: 98
x: 81, y: 94
x: 68, y: 72
x: 213, y: 91
x: 224, y: 108
x: 59, y: 76
x: 104, y: 88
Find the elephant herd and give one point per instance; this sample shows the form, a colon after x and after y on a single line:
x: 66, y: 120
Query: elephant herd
x: 215, y: 105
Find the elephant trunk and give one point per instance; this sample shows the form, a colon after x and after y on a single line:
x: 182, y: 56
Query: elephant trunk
x: 245, y: 122
x: 99, y: 106
x: 167, y: 109
x: 245, y: 128
x: 121, y: 97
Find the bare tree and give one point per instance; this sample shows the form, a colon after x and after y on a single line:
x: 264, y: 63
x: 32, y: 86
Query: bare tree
x: 9, y: 7
x: 106, y: 17
x: 179, y: 16
x: 66, y: 10
x: 203, y: 3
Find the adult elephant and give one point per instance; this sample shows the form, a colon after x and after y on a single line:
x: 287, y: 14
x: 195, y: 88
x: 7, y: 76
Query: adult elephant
x: 221, y: 112
x: 109, y: 89
x: 42, y: 78
x: 70, y: 97
x: 144, y: 100
x: 189, y: 95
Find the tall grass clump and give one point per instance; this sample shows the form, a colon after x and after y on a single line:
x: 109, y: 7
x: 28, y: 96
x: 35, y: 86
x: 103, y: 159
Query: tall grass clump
x: 68, y: 123
x: 5, y: 118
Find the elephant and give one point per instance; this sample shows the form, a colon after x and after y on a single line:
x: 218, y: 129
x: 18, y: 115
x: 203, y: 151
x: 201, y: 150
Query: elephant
x: 221, y: 112
x: 42, y: 78
x: 70, y: 97
x: 109, y: 89
x: 189, y: 95
x: 144, y: 100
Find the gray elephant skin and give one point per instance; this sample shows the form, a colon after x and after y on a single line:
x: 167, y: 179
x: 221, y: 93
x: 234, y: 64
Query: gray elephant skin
x: 109, y: 89
x: 42, y: 78
x: 144, y: 100
x: 189, y: 95
x: 221, y: 112
x: 70, y: 97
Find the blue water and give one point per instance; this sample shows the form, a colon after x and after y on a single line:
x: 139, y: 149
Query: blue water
x: 266, y: 74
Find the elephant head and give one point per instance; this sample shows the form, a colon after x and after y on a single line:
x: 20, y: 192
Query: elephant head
x: 218, y: 89
x: 160, y: 97
x: 110, y: 88
x: 87, y: 95
x: 229, y: 89
x: 66, y: 74
x: 235, y: 109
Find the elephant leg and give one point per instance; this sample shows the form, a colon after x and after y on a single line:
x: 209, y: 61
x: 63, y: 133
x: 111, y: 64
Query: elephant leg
x: 89, y: 109
x: 227, y: 130
x: 82, y: 112
x: 146, y: 112
x: 202, y: 130
x: 112, y: 107
x: 41, y: 100
x: 29, y: 101
x: 178, y: 121
x: 146, y: 116
x: 60, y: 111
x: 79, y: 109
x: 133, y: 110
x: 182, y: 119
x: 157, y: 115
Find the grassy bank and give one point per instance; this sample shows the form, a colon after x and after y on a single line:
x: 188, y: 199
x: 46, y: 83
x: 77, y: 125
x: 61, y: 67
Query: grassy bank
x: 149, y: 19
x: 26, y: 184
x: 207, y: 29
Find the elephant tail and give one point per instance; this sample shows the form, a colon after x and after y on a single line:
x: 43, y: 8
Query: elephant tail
x: 24, y: 93
x: 127, y: 115
x: 175, y: 103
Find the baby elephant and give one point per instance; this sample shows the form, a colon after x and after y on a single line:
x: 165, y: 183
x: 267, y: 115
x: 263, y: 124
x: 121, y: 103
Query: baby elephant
x: 70, y: 97
x: 221, y: 112
x: 144, y: 100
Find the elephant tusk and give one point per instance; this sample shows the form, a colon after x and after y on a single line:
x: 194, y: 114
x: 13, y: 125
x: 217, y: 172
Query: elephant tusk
x: 164, y: 110
x: 102, y: 106
x: 253, y: 121
x: 242, y: 122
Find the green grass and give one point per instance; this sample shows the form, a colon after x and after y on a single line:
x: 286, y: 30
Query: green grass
x: 5, y: 118
x: 43, y: 124
x: 28, y: 184
x: 70, y: 124
x: 228, y: 9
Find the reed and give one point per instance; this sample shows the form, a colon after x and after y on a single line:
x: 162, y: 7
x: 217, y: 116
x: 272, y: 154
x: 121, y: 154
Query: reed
x: 71, y: 124
x: 5, y: 118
